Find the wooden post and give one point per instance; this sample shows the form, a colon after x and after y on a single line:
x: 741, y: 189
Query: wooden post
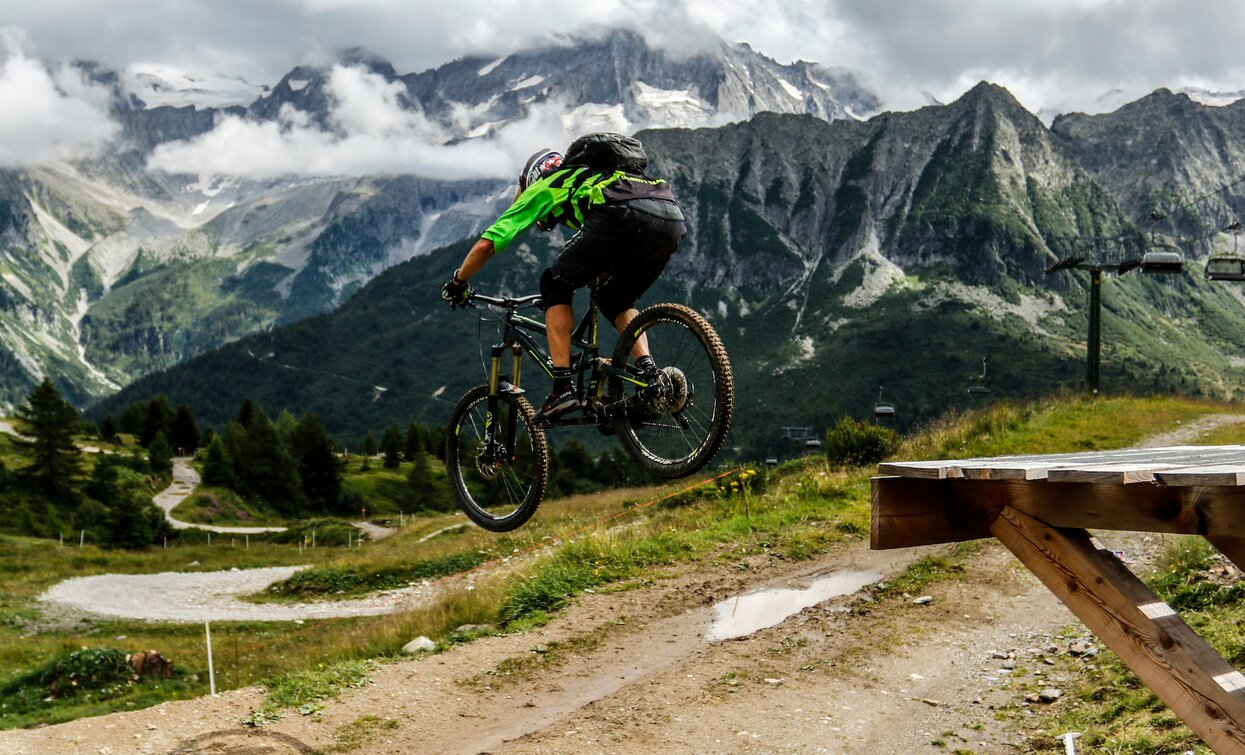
x: 207, y: 630
x: 1170, y: 658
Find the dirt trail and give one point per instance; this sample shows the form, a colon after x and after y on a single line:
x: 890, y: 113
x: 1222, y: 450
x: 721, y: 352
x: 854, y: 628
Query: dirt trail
x: 185, y: 480
x: 630, y: 671
x: 1186, y: 434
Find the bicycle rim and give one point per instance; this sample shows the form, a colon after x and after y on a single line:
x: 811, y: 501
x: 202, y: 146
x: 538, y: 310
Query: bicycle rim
x: 497, y: 491
x: 677, y: 429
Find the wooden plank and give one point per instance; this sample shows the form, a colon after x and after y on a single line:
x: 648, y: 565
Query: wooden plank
x: 1204, y: 476
x: 1009, y: 470
x: 1174, y: 662
x: 917, y: 470
x: 1034, y: 466
x: 1107, y: 474
x: 909, y: 512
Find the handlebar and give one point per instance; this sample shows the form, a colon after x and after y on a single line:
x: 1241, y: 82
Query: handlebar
x: 521, y: 302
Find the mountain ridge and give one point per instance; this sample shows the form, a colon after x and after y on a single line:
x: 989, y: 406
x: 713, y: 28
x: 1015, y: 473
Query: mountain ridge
x: 831, y: 257
x: 249, y: 253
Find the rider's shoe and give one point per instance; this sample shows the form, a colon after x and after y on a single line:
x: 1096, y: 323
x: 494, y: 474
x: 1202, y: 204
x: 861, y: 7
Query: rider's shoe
x: 558, y: 403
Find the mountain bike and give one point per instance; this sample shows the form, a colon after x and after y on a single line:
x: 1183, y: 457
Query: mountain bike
x: 672, y: 422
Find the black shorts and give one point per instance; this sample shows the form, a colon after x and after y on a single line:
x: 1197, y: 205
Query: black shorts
x: 631, y: 245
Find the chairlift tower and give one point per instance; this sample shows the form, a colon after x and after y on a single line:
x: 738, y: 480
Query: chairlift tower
x: 1156, y: 258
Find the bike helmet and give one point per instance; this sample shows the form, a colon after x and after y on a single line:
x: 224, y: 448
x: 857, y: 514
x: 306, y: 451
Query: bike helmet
x: 539, y: 165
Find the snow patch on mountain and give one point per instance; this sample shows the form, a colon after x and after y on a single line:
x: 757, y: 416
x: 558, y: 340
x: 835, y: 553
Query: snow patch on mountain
x: 597, y: 116
x: 671, y: 108
x: 166, y: 86
x: 486, y: 70
x: 527, y: 83
x: 790, y: 89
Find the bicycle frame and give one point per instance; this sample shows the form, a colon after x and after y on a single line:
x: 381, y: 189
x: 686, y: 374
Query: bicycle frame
x: 586, y: 363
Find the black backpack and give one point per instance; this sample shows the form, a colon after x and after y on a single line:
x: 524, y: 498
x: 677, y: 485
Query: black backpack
x: 607, y: 152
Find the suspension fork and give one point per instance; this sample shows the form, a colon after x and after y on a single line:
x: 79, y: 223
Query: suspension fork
x: 509, y: 422
x: 512, y: 421
x: 494, y: 399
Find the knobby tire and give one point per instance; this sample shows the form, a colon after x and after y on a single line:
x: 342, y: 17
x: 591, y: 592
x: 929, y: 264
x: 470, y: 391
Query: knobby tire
x: 641, y: 438
x: 506, y: 501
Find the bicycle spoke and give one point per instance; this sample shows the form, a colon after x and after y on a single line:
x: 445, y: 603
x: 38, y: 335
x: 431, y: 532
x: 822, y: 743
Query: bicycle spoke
x: 698, y: 389
x: 497, y: 492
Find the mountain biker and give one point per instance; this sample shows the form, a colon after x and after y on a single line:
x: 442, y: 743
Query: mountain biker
x: 627, y: 225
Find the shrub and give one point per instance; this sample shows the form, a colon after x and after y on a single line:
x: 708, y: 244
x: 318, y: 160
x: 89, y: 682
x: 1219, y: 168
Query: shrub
x: 854, y: 443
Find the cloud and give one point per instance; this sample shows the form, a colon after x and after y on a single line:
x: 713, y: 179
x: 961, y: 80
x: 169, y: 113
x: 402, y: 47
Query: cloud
x: 369, y: 133
x: 47, y: 113
x: 1058, y: 53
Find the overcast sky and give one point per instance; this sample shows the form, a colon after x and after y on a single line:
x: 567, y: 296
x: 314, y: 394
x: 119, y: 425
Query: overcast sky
x: 1054, y: 55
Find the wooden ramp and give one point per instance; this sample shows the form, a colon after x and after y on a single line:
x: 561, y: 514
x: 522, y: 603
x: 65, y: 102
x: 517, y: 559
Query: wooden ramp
x: 1040, y: 508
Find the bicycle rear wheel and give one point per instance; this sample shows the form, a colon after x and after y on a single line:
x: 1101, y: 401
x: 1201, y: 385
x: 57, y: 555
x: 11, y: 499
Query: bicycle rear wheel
x: 498, y: 489
x: 676, y: 425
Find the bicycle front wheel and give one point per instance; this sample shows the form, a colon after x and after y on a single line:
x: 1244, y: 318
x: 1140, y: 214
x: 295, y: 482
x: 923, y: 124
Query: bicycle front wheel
x: 676, y: 425
x: 498, y: 466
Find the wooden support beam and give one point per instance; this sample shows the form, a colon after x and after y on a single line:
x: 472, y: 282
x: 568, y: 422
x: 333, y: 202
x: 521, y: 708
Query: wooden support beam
x: 908, y: 512
x: 1173, y: 661
x: 1232, y: 547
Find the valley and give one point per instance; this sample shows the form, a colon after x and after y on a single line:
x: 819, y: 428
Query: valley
x: 544, y: 655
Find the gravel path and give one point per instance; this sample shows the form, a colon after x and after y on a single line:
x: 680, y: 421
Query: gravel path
x: 213, y: 596
x: 375, y: 531
x: 1191, y: 432
x: 185, y: 480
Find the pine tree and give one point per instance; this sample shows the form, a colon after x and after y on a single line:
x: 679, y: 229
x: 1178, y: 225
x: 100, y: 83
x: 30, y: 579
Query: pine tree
x: 246, y: 412
x: 367, y: 449
x: 317, y: 464
x: 184, y: 432
x: 49, y: 422
x: 267, y: 468
x: 420, y: 479
x: 108, y: 430
x: 391, y: 447
x: 415, y: 441
x: 218, y: 466
x: 158, y: 419
x: 160, y: 455
x: 286, y: 424
x: 133, y: 520
x: 427, y: 492
x: 133, y: 415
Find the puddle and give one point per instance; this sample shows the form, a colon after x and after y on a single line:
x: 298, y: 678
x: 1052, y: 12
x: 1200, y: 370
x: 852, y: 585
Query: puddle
x: 744, y: 614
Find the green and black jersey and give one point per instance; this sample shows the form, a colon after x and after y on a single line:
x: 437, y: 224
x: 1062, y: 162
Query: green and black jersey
x: 569, y: 194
